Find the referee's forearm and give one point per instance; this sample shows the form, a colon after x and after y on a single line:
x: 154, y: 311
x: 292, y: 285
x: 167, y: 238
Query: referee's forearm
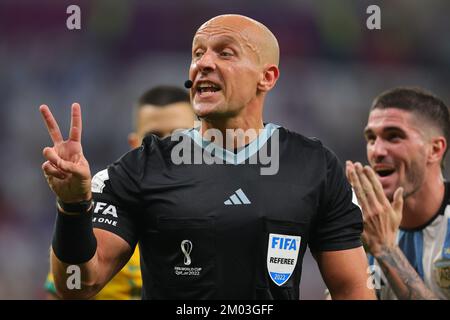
x: 74, y: 257
x: 76, y: 281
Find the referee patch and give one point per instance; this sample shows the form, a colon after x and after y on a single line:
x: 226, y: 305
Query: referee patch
x: 282, y: 254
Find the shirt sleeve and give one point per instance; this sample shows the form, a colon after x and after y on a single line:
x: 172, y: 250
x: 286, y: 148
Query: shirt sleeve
x: 116, y: 194
x: 339, y: 224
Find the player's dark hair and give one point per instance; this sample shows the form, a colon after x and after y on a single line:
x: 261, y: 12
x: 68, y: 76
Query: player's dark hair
x: 421, y: 102
x: 160, y: 96
x: 163, y: 95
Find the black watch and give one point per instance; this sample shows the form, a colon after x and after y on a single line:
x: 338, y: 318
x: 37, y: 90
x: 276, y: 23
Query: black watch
x: 75, y: 207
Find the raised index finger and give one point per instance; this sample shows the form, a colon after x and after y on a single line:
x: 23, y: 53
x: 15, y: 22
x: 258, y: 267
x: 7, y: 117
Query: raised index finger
x: 52, y: 125
x: 75, y: 124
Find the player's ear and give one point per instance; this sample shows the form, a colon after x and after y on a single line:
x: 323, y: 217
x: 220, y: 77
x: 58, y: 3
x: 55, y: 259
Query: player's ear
x: 270, y: 76
x: 438, y: 146
x: 133, y: 140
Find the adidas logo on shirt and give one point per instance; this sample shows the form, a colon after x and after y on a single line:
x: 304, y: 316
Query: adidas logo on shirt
x: 237, y: 198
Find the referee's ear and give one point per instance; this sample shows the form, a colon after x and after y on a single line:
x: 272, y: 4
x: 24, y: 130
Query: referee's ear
x: 270, y: 76
x: 133, y: 140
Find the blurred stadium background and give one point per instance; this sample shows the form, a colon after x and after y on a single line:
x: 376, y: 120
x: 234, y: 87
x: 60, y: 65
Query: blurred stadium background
x: 332, y: 66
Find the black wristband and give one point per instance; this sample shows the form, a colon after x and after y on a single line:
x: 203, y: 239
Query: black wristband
x: 77, y: 207
x: 74, y: 241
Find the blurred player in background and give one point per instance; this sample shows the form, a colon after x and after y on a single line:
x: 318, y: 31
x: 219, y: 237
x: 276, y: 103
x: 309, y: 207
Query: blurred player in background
x: 403, y: 195
x: 159, y: 111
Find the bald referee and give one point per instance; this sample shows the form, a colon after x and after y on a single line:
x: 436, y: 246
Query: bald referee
x: 219, y: 226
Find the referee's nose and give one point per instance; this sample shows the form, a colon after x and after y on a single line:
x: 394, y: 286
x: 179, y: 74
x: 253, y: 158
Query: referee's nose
x: 206, y: 63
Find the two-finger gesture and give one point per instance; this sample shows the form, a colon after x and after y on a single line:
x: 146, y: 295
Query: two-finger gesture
x: 381, y: 218
x: 66, y: 169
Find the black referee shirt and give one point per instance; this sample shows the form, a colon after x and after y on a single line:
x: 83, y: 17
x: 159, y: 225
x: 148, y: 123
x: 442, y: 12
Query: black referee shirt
x: 226, y: 231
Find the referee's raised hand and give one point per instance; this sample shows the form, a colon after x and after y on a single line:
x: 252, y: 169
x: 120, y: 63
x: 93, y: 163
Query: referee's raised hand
x: 66, y: 169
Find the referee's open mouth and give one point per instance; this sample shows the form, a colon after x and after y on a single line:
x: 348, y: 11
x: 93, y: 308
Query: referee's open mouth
x: 206, y: 88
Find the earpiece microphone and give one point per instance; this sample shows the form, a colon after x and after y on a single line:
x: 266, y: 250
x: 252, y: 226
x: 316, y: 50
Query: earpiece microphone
x: 188, y: 84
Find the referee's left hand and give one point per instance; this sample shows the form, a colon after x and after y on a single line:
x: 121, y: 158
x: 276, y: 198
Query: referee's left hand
x: 381, y: 218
